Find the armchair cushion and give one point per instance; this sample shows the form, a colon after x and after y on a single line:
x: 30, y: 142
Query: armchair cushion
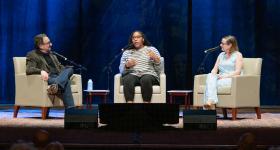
x: 221, y: 90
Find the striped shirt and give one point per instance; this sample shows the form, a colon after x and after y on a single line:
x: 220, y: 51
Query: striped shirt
x: 144, y: 65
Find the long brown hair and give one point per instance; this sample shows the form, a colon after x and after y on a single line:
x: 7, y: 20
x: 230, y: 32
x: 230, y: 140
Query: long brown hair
x: 231, y: 40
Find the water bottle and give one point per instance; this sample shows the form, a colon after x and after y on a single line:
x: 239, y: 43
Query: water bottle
x: 89, y: 85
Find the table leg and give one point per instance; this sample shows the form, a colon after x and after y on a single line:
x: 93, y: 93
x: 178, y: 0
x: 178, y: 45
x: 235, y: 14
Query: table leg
x: 104, y: 98
x: 186, y: 101
x: 90, y: 100
x: 87, y: 102
x: 170, y: 99
x: 189, y: 100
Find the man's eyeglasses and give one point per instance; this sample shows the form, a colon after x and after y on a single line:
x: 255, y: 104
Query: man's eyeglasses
x: 48, y: 43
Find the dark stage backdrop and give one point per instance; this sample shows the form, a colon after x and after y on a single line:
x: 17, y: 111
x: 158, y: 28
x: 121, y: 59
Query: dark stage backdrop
x: 92, y: 33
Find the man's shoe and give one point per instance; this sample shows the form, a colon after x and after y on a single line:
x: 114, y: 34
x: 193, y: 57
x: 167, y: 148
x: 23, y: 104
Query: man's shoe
x: 53, y: 89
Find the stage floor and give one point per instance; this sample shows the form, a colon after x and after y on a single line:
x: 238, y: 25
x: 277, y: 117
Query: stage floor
x: 266, y: 130
x: 30, y: 117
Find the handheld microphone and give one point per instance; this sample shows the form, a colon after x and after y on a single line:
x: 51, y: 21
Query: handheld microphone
x: 61, y: 56
x: 127, y: 47
x: 211, y: 49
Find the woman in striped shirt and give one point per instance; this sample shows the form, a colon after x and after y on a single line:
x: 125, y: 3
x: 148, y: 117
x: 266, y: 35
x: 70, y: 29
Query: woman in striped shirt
x: 139, y: 65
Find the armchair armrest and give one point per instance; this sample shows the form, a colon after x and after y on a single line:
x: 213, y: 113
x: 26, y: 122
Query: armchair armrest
x: 117, y: 82
x: 246, y: 88
x: 32, y: 83
x: 76, y: 79
x: 162, y: 79
x: 29, y: 88
x: 199, y: 80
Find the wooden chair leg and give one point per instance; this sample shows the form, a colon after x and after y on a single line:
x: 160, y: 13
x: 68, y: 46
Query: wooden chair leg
x: 16, y: 109
x: 45, y: 112
x: 234, y: 113
x: 224, y: 112
x: 258, y: 112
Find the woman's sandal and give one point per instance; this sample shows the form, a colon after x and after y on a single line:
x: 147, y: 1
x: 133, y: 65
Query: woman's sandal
x: 209, y: 106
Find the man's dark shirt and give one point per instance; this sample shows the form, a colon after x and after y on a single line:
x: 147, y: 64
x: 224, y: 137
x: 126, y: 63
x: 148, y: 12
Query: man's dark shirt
x: 49, y: 61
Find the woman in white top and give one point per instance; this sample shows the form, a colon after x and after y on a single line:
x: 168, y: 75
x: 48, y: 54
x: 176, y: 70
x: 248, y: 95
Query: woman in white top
x: 228, y: 64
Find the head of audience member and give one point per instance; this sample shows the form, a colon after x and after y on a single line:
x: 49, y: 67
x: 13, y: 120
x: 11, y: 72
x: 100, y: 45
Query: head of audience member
x: 54, y: 146
x: 138, y: 40
x: 42, y: 42
x: 247, y: 142
x: 41, y: 139
x: 22, y: 145
x: 229, y: 44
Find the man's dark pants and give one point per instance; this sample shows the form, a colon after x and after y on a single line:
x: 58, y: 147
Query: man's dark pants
x: 146, y: 82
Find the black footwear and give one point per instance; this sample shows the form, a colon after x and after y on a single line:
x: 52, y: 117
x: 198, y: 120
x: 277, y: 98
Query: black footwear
x: 53, y: 89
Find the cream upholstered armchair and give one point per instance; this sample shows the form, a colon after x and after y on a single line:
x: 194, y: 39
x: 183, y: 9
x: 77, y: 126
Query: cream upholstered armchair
x: 159, y: 91
x: 31, y: 90
x: 244, y: 91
